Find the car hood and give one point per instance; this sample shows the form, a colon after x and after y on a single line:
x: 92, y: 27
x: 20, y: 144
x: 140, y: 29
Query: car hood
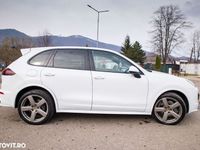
x: 167, y: 79
x: 165, y: 75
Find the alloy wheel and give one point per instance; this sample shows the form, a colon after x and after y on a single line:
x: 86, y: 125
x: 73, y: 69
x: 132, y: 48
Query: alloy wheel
x: 34, y: 108
x: 168, y: 110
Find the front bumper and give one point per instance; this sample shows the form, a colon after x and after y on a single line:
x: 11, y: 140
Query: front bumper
x: 193, y: 99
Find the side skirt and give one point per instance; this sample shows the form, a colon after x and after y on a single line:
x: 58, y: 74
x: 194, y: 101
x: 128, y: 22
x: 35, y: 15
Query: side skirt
x: 103, y: 112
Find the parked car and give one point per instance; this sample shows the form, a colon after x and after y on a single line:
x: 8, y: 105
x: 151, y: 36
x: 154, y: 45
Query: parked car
x: 2, y: 66
x: 91, y: 80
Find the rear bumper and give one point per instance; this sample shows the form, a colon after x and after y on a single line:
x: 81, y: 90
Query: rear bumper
x: 6, y: 99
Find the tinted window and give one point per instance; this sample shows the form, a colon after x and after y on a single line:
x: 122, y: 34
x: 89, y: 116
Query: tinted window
x: 110, y: 62
x: 71, y: 59
x: 40, y: 59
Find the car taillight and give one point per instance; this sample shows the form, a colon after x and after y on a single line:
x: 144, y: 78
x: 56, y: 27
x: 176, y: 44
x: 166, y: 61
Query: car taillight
x: 8, y: 72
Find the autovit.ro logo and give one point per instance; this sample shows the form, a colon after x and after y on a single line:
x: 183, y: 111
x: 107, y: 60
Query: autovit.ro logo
x: 12, y: 145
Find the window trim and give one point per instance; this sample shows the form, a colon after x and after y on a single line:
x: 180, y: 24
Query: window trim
x: 93, y: 66
x: 46, y: 61
x: 89, y: 60
x: 65, y: 49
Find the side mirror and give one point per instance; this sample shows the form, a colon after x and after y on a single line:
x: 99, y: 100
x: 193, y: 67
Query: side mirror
x: 133, y: 70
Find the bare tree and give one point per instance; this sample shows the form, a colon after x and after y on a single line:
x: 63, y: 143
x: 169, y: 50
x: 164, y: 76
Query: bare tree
x: 19, y: 43
x: 45, y: 39
x: 195, y: 51
x: 10, y: 50
x: 167, y: 34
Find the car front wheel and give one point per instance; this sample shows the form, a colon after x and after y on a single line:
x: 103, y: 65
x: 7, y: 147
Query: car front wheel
x: 169, y: 109
x: 36, y: 107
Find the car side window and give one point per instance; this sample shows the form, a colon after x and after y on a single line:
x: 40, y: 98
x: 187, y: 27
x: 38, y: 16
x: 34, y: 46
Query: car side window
x: 41, y: 59
x: 110, y: 62
x: 71, y: 59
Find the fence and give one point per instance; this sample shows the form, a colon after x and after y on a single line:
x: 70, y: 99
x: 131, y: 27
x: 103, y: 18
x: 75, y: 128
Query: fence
x: 193, y: 69
x: 168, y: 68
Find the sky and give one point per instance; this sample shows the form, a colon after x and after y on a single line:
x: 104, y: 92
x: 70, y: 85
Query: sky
x: 73, y: 17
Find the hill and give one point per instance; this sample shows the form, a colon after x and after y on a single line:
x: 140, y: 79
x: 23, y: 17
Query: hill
x: 74, y: 40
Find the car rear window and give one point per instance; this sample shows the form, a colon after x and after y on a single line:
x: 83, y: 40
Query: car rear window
x: 41, y: 59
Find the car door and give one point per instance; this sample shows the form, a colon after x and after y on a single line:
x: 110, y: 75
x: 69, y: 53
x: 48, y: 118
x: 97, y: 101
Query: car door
x: 68, y: 76
x: 114, y: 89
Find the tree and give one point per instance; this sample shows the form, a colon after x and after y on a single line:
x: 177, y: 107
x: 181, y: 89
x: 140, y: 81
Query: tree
x: 195, y: 51
x: 137, y: 54
x: 168, y: 24
x: 126, y: 46
x: 45, y: 39
x: 158, y: 63
x: 10, y: 50
x: 133, y: 51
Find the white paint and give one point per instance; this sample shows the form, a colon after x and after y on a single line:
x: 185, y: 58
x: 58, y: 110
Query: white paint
x: 92, y: 91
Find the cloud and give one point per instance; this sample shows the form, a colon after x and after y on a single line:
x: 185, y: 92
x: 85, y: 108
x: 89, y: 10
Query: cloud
x: 192, y: 8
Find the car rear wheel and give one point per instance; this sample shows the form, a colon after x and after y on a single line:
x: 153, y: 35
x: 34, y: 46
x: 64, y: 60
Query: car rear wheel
x: 36, y: 107
x: 169, y: 109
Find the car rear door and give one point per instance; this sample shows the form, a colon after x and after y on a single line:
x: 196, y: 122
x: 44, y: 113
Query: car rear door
x: 68, y: 76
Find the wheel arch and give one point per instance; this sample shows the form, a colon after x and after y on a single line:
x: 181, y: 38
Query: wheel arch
x: 26, y: 89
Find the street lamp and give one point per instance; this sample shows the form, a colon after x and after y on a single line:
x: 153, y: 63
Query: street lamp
x: 102, y: 11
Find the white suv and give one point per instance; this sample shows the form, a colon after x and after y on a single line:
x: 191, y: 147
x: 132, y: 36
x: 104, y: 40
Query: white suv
x: 91, y: 80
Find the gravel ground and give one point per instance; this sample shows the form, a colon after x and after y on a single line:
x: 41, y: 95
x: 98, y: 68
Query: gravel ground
x: 103, y: 132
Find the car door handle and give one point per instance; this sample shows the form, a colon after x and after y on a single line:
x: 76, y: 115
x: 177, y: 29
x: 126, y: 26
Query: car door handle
x: 49, y: 75
x: 99, y: 78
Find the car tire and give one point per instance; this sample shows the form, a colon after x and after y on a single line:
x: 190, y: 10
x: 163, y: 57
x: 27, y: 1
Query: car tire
x: 169, y: 109
x: 36, y: 107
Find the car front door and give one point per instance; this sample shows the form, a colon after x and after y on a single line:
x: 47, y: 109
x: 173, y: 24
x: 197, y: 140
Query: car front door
x: 68, y: 76
x: 114, y: 89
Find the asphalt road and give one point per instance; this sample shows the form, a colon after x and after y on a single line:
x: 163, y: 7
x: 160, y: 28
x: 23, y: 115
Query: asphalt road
x: 103, y: 132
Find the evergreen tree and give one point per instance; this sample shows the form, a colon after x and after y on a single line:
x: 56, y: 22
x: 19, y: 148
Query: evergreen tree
x: 134, y: 52
x: 126, y: 46
x: 138, y: 53
x: 158, y: 63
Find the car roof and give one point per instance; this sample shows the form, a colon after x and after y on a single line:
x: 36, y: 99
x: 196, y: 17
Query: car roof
x: 41, y: 49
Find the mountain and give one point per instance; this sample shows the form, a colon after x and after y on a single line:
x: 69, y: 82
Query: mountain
x: 74, y: 40
x: 11, y: 33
